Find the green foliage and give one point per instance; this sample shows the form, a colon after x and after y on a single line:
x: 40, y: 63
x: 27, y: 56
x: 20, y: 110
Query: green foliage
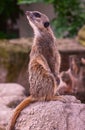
x: 8, y: 10
x: 28, y: 1
x: 7, y: 36
x: 70, y: 15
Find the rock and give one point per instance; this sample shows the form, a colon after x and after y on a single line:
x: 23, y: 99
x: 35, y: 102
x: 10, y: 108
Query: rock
x: 11, y: 95
x: 53, y: 115
x: 14, y: 58
x: 13, y: 55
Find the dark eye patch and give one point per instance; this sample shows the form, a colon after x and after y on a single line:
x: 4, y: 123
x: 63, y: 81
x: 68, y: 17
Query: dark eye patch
x: 46, y: 24
x: 37, y: 15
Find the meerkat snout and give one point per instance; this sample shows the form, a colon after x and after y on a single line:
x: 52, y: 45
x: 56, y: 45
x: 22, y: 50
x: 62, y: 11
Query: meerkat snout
x: 30, y: 13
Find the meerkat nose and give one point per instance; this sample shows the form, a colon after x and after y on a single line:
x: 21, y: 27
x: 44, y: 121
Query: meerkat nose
x: 27, y: 12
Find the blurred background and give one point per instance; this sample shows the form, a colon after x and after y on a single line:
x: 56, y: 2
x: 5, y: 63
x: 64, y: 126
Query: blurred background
x: 67, y: 19
x: 68, y: 23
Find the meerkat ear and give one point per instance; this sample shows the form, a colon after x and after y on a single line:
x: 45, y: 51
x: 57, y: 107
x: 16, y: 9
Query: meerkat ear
x: 46, y: 24
x: 74, y: 61
x: 83, y: 60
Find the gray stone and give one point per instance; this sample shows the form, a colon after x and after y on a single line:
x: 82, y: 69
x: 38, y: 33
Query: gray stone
x: 53, y: 115
x: 11, y: 95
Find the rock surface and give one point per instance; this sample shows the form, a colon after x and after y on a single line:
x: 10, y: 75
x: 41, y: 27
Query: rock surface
x: 10, y: 96
x: 14, y: 58
x: 53, y: 115
x: 13, y: 55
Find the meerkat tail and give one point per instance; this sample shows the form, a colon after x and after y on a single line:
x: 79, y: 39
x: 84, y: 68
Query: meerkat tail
x: 17, y: 111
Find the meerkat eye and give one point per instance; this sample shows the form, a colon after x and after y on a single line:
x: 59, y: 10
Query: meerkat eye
x: 46, y: 24
x: 37, y: 15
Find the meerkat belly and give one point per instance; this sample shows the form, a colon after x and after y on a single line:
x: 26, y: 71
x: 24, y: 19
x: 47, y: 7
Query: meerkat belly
x: 41, y: 83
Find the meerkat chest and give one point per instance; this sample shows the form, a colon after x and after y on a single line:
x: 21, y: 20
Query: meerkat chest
x: 49, y: 54
x: 47, y: 49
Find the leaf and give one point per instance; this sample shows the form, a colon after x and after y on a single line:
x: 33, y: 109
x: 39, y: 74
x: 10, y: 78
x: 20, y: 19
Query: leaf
x: 28, y: 1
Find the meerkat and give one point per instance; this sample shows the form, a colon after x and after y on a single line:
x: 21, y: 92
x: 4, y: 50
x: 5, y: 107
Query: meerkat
x: 72, y: 81
x: 43, y: 66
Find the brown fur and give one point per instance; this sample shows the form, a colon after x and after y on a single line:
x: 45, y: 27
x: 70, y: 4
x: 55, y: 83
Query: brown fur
x: 73, y: 80
x: 44, y: 65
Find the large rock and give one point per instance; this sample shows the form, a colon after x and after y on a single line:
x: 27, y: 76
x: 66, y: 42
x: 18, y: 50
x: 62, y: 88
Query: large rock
x: 10, y: 96
x: 53, y: 115
x: 14, y: 58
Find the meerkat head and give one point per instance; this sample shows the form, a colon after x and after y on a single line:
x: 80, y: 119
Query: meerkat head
x: 38, y: 21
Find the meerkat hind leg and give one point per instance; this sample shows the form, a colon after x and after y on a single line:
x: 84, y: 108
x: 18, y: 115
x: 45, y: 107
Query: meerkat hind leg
x: 59, y: 98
